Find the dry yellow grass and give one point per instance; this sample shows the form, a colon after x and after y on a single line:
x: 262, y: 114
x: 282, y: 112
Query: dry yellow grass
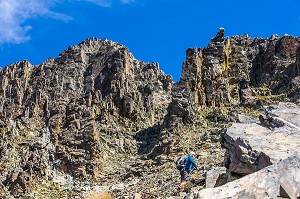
x: 99, y: 195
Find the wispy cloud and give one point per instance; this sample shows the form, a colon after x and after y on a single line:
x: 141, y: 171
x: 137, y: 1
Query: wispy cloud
x: 14, y: 13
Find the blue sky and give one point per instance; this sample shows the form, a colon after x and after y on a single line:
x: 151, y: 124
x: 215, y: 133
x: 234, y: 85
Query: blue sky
x: 153, y: 30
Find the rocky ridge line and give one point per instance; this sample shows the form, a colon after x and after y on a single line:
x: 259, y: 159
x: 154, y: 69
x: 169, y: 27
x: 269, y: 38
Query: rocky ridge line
x: 98, y: 106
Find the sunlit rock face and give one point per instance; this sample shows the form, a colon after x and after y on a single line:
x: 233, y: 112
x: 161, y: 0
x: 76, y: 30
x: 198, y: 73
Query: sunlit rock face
x: 241, y: 69
x: 73, y: 99
x: 87, y: 111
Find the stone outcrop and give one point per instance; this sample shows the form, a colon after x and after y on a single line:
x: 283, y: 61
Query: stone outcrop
x: 231, y: 72
x: 276, y: 181
x: 76, y: 97
x: 253, y: 146
x: 242, y: 70
x: 216, y: 177
x: 285, y: 113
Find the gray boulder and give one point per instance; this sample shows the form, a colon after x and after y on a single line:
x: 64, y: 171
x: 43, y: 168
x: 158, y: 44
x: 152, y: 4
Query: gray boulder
x: 251, y: 147
x: 216, y: 177
x: 286, y: 113
x: 279, y: 180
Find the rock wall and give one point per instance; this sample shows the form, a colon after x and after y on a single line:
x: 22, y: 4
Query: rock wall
x: 232, y: 72
x: 89, y: 86
x: 241, y: 69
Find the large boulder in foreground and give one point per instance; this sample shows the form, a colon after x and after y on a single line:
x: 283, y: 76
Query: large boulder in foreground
x: 253, y: 146
x: 279, y: 180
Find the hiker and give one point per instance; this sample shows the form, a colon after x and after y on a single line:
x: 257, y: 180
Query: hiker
x: 189, y: 164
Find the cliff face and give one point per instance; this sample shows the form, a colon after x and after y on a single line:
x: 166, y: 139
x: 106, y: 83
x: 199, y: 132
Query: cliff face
x: 237, y: 70
x: 231, y: 72
x: 96, y: 103
x: 76, y: 100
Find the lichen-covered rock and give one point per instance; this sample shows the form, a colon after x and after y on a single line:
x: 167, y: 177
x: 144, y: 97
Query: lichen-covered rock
x: 229, y: 71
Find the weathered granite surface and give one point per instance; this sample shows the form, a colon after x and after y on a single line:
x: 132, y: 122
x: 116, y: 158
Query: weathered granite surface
x: 262, y: 184
x: 251, y: 147
x: 216, y: 177
x: 288, y: 113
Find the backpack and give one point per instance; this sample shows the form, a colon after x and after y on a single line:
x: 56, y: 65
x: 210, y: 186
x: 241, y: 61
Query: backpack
x: 180, y: 162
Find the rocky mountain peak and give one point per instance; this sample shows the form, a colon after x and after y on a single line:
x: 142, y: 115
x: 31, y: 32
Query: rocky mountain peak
x: 220, y: 36
x: 219, y: 73
x: 95, y: 109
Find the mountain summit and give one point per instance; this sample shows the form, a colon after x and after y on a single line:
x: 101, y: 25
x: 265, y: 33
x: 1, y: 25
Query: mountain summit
x: 97, y: 115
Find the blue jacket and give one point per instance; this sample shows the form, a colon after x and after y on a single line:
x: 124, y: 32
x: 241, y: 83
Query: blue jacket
x: 189, y: 163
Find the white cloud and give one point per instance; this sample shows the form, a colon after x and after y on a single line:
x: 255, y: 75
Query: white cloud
x: 14, y: 13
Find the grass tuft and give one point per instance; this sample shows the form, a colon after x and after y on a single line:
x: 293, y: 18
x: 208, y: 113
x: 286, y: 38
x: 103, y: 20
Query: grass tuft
x: 99, y: 195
